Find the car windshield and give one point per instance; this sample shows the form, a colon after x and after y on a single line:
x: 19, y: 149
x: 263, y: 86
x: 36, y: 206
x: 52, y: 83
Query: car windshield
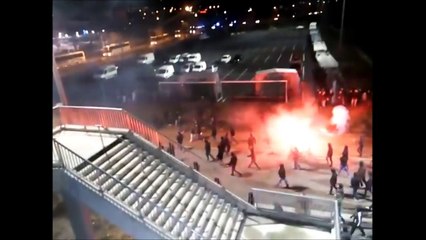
x: 144, y: 58
x: 162, y: 71
x: 225, y: 57
x: 100, y: 71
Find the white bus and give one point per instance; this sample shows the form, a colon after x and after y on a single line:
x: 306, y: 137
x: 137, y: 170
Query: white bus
x: 116, y: 49
x: 68, y: 59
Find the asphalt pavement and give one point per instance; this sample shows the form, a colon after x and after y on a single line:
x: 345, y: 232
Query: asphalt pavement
x: 260, y: 50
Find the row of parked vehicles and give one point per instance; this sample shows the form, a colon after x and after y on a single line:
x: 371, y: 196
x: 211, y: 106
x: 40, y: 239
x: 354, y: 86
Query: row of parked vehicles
x: 185, y: 63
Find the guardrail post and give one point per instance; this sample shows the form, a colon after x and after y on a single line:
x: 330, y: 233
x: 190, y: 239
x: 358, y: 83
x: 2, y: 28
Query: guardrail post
x: 250, y: 198
x: 196, y: 166
x: 217, y: 180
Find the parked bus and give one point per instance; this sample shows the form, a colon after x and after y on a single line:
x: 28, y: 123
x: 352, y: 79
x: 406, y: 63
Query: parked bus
x: 71, y: 58
x: 116, y: 49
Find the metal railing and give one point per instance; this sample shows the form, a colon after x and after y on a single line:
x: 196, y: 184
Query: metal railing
x: 318, y: 208
x: 69, y: 158
x: 113, y: 118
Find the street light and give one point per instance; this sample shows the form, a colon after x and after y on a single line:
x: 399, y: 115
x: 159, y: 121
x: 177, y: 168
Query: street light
x: 342, y: 25
x: 250, y: 10
x: 224, y: 12
x: 58, y: 82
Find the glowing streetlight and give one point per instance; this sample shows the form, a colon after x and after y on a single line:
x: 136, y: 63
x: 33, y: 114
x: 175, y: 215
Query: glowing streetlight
x: 257, y: 21
x: 210, y: 7
x: 217, y: 6
x: 158, y: 19
x: 156, y: 11
x: 244, y: 23
x: 275, y: 8
x: 93, y: 31
x: 276, y: 19
x: 293, y: 16
x: 309, y: 4
x: 250, y: 10
x: 144, y: 13
x: 195, y: 15
x: 214, y: 7
x: 224, y: 12
x: 188, y: 8
x: 103, y: 30
x: 292, y: 5
x: 140, y: 10
x: 278, y: 15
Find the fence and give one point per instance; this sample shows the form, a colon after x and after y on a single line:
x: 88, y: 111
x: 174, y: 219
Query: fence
x: 312, y: 207
x: 112, y: 118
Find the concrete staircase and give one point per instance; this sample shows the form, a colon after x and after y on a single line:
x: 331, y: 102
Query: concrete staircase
x: 170, y: 199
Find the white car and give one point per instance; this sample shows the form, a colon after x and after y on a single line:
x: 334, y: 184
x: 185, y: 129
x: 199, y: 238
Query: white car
x: 187, y: 67
x: 106, y: 72
x: 226, y: 58
x: 165, y: 71
x: 300, y: 27
x: 174, y: 59
x: 183, y: 57
x: 200, y: 66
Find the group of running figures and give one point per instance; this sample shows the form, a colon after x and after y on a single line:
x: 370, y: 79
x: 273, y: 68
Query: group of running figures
x: 352, y: 98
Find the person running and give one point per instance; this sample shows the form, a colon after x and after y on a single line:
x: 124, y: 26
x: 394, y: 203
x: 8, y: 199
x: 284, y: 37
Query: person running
x: 329, y: 157
x: 355, y: 182
x: 369, y: 184
x: 357, y: 220
x: 207, y: 148
x: 253, y: 158
x: 282, y: 176
x: 333, y: 181
x: 233, y: 164
x: 362, y: 173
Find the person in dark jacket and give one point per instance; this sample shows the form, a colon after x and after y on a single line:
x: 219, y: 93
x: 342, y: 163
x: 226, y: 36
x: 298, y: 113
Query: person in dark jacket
x: 355, y: 181
x: 344, y: 161
x: 179, y: 139
x: 221, y: 149
x: 329, y: 156
x: 233, y: 164
x: 227, y: 143
x: 369, y: 184
x: 282, y: 175
x: 253, y: 158
x: 207, y: 148
x: 333, y: 181
x: 362, y: 173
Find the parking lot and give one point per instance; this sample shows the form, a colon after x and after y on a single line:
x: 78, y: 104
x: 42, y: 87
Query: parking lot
x: 263, y: 49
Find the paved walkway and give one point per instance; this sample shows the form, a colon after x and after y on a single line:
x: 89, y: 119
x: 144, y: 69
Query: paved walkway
x: 314, y: 179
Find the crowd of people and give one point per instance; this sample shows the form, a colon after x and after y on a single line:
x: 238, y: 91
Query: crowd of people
x: 352, y: 97
x: 358, y: 181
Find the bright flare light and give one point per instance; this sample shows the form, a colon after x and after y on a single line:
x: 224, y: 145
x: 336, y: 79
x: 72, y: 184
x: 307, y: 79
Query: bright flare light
x: 340, y: 119
x: 289, y: 130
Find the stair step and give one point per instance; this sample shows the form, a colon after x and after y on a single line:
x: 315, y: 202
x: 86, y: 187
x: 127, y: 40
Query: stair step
x: 212, y: 222
x: 227, y: 232
x: 222, y: 221
x: 205, y: 217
